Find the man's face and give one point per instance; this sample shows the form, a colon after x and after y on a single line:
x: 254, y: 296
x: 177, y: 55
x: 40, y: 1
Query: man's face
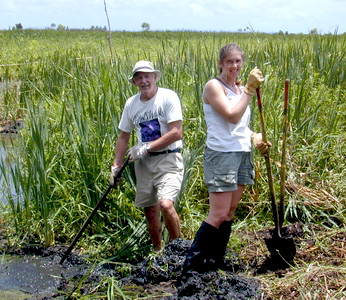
x: 146, y: 82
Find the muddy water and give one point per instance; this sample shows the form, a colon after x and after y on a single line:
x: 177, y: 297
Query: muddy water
x: 28, y: 276
x: 33, y: 277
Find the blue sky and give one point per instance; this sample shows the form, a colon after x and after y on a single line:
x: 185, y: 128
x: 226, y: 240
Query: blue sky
x: 293, y: 16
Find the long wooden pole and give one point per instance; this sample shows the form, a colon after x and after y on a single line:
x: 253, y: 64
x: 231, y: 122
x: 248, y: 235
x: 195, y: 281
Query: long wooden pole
x: 269, y: 170
x: 283, y: 157
x: 86, y: 223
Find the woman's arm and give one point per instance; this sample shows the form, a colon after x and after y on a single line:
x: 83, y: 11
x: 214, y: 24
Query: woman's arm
x: 214, y: 94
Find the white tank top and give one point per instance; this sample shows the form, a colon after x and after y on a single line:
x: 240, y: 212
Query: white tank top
x: 224, y: 136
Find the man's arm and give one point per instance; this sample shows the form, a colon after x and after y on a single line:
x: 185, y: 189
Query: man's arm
x: 121, y: 148
x: 175, y: 133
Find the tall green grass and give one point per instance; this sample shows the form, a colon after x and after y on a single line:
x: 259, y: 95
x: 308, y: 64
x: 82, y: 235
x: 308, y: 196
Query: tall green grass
x: 72, y: 95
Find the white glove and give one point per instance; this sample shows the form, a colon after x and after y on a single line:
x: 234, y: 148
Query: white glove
x: 137, y: 152
x: 114, y: 172
x: 261, y: 146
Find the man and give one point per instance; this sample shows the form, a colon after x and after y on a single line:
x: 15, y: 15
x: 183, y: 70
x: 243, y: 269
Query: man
x: 156, y: 115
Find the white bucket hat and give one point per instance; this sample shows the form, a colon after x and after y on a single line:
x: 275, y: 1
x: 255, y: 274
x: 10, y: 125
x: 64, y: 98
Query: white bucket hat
x: 144, y: 66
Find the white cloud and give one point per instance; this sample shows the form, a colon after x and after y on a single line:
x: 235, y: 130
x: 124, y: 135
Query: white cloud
x: 227, y: 15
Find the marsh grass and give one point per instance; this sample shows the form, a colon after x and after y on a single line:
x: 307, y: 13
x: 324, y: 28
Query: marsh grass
x: 71, y: 95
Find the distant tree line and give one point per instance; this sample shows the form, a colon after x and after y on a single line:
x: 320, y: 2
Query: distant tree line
x: 19, y: 26
x: 145, y: 26
x: 94, y: 28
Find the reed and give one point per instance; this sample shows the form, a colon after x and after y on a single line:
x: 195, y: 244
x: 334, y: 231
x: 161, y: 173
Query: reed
x: 71, y: 95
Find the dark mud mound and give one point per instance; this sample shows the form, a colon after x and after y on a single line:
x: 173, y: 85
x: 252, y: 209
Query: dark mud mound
x: 160, y: 267
x: 218, y: 285
x: 11, y: 127
x: 166, y: 267
x: 282, y: 249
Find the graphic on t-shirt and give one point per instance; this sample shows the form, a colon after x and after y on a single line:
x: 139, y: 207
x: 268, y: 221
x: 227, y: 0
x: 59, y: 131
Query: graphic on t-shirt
x: 150, y: 130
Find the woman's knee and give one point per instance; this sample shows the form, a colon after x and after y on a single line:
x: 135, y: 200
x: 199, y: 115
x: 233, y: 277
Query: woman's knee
x: 216, y: 219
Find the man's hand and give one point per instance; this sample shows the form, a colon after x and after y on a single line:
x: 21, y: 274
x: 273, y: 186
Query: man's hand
x: 254, y: 81
x: 137, y: 152
x: 261, y: 146
x: 114, y: 172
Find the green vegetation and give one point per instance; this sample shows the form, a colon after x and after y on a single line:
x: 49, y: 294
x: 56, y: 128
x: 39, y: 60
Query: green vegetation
x: 70, y: 92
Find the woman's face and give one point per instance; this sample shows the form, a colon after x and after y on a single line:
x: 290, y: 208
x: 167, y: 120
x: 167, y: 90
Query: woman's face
x: 232, y: 64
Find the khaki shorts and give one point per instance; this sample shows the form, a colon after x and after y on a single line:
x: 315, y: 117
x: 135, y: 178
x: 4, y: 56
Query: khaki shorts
x: 158, y: 178
x: 224, y: 171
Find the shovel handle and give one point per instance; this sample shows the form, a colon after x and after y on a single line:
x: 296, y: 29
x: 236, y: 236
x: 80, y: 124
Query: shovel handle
x: 86, y: 223
x: 269, y: 170
x: 283, y: 156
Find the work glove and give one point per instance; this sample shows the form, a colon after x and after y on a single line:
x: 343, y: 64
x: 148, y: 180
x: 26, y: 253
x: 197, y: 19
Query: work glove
x: 137, y: 152
x: 254, y: 81
x: 114, y: 172
x: 261, y: 146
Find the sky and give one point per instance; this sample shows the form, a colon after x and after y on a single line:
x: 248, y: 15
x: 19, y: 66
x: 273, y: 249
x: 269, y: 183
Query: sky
x: 269, y: 16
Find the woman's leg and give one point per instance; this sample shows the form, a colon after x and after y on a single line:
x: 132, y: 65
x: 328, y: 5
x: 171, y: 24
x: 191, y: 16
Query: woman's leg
x: 222, y: 211
x: 220, y: 207
x: 236, y: 196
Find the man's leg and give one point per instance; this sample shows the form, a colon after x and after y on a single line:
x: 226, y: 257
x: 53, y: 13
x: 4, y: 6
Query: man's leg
x: 152, y: 215
x: 170, y: 218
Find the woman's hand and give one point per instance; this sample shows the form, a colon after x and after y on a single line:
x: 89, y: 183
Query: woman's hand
x: 254, y: 81
x: 258, y: 142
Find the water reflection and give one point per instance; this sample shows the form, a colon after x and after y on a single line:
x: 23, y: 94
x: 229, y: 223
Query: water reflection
x: 7, y: 188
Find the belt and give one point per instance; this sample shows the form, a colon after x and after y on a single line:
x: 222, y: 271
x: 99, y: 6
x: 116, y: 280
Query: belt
x: 177, y: 150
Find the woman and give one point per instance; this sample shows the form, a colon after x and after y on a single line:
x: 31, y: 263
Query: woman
x: 227, y: 157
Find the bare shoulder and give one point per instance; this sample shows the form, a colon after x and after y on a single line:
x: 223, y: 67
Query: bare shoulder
x: 213, y: 88
x: 212, y: 83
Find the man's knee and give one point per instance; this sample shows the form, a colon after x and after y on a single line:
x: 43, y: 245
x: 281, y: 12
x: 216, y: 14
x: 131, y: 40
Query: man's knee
x: 167, y: 206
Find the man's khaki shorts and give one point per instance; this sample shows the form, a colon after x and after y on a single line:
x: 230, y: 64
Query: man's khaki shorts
x: 158, y: 178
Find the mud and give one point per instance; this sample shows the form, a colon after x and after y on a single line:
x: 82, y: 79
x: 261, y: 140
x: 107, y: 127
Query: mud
x: 167, y: 267
x: 282, y: 250
x: 11, y: 127
x: 36, y: 273
x: 39, y: 275
x: 215, y: 285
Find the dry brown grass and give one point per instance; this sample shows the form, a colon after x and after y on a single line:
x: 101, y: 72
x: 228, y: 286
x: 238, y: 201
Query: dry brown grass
x: 320, y: 265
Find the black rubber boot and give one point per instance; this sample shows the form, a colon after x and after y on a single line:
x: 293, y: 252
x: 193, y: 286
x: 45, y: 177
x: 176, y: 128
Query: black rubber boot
x: 201, y: 255
x: 224, y: 232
